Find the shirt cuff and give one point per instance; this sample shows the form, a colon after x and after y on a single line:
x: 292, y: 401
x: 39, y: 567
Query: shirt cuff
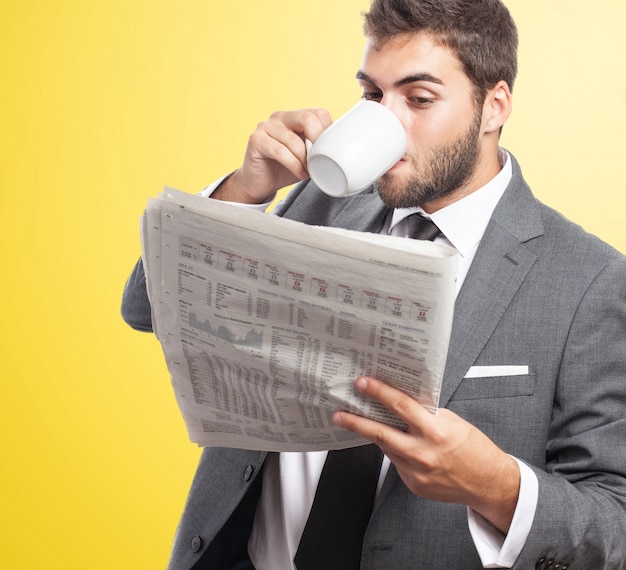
x: 206, y: 193
x: 495, y: 549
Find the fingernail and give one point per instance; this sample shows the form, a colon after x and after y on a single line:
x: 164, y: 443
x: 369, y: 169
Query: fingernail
x: 361, y: 383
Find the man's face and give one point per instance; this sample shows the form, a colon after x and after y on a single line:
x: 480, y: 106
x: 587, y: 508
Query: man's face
x: 425, y: 86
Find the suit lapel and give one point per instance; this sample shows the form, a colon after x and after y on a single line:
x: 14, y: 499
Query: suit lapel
x: 500, y: 266
x: 363, y: 212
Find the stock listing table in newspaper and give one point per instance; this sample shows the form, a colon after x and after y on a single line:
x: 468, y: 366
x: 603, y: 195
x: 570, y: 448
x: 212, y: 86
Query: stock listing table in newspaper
x: 266, y: 323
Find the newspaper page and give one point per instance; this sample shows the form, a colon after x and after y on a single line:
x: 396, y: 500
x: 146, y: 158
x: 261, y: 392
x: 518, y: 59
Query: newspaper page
x: 266, y: 323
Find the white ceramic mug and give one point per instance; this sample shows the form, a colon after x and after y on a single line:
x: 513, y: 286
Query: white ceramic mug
x: 356, y: 150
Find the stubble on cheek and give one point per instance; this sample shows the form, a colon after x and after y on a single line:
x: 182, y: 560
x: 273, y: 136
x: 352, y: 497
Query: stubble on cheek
x: 438, y: 173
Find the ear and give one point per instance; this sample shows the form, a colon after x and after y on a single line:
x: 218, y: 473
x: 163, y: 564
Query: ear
x: 497, y: 107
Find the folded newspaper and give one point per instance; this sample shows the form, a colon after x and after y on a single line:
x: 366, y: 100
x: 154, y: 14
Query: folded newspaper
x: 266, y: 323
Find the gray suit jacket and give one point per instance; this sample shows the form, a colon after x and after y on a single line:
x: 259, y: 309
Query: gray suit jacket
x: 541, y: 293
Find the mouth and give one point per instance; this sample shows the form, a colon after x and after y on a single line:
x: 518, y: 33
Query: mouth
x: 398, y: 164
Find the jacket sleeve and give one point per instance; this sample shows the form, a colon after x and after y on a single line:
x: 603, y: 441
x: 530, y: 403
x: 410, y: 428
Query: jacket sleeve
x: 581, y: 512
x: 136, y: 309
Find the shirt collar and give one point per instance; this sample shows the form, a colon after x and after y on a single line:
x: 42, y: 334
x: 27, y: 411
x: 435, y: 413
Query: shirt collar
x: 477, y: 208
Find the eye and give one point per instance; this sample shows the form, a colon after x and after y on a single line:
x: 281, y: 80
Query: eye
x: 421, y: 101
x: 372, y: 96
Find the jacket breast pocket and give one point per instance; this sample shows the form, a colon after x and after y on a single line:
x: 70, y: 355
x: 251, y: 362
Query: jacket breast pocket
x: 490, y: 387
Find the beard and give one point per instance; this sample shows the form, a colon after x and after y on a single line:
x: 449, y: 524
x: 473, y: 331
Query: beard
x: 444, y: 170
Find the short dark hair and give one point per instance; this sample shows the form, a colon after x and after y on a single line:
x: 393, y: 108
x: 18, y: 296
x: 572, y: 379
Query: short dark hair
x: 481, y: 33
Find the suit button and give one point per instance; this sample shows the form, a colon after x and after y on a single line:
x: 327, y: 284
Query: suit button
x: 542, y: 564
x: 248, y: 472
x: 196, y: 544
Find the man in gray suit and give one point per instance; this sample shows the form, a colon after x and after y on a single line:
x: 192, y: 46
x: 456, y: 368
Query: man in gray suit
x: 525, y: 464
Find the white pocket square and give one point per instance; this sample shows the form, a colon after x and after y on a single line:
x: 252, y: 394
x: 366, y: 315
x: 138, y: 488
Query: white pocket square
x: 492, y: 371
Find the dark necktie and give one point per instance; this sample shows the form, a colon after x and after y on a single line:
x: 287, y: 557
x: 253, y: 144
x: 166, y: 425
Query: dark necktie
x: 333, y: 535
x: 422, y: 228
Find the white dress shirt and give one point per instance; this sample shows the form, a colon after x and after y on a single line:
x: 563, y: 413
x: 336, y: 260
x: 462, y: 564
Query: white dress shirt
x: 290, y: 479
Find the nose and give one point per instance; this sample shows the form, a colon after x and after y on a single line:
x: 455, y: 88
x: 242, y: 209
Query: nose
x: 394, y: 105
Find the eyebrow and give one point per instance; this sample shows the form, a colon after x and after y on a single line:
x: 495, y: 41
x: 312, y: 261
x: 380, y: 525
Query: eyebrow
x: 405, y: 80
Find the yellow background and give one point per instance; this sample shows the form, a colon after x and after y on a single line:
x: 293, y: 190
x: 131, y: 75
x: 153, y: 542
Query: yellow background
x: 102, y: 104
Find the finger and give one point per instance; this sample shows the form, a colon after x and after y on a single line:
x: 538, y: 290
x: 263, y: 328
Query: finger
x: 290, y: 153
x: 324, y: 120
x: 281, y: 137
x: 305, y: 124
x: 309, y: 123
x: 399, y: 403
x: 391, y: 440
x: 277, y: 143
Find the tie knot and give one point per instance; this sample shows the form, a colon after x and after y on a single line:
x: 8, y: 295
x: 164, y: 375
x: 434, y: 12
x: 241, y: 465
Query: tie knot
x: 422, y: 228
